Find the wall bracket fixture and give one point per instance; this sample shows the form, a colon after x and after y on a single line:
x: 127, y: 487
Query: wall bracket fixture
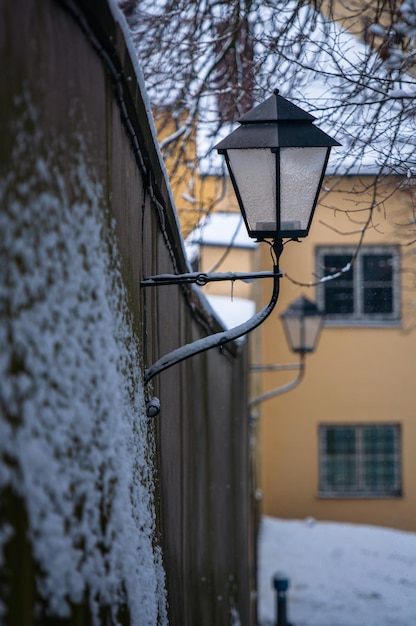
x: 276, y: 160
x: 218, y: 339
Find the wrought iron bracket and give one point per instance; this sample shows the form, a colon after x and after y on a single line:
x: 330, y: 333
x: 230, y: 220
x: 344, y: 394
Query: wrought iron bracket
x: 201, y: 278
x: 217, y: 339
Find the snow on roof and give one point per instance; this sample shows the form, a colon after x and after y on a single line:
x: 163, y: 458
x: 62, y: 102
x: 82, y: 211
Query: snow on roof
x: 232, y: 311
x: 332, y: 73
x: 221, y: 229
x: 332, y: 64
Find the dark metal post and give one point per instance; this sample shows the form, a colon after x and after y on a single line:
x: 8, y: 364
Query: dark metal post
x: 281, y: 585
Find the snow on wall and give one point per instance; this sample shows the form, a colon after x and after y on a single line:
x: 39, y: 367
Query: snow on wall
x: 74, y: 440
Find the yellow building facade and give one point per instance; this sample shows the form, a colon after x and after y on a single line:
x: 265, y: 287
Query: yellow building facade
x: 340, y: 445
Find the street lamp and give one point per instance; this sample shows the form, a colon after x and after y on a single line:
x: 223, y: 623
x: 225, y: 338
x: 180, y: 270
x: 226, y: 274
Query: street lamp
x: 276, y: 160
x: 302, y: 323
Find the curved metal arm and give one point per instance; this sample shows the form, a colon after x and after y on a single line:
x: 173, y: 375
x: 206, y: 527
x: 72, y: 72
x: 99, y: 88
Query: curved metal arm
x: 277, y: 392
x: 218, y: 339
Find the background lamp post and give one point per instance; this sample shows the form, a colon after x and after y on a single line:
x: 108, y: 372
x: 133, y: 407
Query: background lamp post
x: 302, y: 323
x: 276, y: 160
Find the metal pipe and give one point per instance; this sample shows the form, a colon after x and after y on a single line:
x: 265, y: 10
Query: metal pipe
x: 275, y: 367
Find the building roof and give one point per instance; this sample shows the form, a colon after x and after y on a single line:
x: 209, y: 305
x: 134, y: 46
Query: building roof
x: 346, y: 86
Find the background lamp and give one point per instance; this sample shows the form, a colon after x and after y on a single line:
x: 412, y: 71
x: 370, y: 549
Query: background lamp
x: 302, y: 323
x: 277, y: 160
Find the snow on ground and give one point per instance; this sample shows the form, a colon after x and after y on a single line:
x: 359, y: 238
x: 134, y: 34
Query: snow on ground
x: 340, y: 574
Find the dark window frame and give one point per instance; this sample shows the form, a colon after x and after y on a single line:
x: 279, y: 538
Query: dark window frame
x: 354, y: 313
x: 362, y: 472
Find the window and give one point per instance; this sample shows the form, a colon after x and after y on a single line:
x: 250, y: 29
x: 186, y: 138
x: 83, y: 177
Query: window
x: 359, y: 460
x: 368, y: 292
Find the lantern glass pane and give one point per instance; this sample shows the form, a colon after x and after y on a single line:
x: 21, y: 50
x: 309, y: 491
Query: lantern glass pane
x: 254, y: 171
x: 300, y: 175
x: 313, y: 327
x: 302, y: 332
